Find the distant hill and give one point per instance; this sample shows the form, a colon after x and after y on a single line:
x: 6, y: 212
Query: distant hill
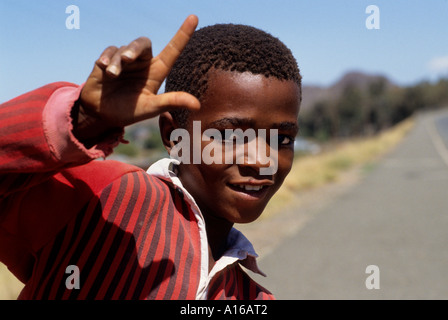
x: 313, y: 94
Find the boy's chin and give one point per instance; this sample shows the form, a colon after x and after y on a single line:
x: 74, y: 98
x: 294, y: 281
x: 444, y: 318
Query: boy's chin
x: 245, y: 217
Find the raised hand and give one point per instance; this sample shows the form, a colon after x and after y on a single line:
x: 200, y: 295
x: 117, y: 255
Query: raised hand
x: 122, y: 88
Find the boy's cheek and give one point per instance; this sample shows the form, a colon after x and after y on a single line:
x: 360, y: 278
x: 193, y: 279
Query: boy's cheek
x: 284, y: 168
x: 285, y: 160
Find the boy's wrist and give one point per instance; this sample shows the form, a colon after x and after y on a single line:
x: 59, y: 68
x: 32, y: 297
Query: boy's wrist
x: 86, y: 127
x: 74, y: 114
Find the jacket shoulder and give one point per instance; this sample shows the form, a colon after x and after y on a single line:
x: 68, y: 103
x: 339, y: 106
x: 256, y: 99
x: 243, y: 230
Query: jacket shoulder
x: 98, y: 174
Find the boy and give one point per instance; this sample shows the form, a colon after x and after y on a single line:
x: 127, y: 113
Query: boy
x: 167, y: 233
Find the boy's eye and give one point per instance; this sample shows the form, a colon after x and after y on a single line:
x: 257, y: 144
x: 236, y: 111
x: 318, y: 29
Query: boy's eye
x: 228, y: 135
x: 225, y: 137
x: 285, y: 140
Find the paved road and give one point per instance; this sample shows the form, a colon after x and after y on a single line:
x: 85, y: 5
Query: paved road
x: 395, y: 218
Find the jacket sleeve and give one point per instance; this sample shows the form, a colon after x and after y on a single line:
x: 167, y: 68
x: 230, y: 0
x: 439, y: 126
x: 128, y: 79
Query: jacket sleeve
x: 36, y: 148
x: 37, y: 140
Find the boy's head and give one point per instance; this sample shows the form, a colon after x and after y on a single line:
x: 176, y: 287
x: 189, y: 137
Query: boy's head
x: 244, y: 78
x: 229, y: 47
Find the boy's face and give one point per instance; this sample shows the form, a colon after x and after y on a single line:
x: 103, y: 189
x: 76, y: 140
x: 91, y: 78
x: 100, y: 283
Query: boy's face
x: 242, y: 100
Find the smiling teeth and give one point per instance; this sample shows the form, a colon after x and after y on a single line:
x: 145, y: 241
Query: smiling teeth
x: 250, y: 188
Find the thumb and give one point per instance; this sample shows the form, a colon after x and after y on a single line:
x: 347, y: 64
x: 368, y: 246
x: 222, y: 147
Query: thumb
x: 173, y: 100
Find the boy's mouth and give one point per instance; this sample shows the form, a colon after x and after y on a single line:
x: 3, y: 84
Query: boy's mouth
x: 250, y: 191
x: 248, y: 187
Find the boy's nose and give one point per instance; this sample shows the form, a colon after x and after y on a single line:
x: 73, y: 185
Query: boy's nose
x: 257, y: 154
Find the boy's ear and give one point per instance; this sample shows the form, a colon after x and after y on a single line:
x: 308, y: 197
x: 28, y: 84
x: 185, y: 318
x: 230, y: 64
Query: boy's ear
x: 166, y: 125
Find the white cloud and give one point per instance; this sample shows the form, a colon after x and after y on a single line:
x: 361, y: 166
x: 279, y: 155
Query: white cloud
x: 438, y: 64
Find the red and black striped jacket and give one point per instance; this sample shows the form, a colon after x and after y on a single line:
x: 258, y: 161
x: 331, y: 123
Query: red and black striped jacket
x: 131, y: 234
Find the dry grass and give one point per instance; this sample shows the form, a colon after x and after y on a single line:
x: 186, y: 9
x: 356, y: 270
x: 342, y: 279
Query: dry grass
x: 308, y: 172
x: 312, y: 171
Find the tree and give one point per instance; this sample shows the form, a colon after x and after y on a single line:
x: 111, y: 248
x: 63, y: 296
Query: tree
x: 350, y: 111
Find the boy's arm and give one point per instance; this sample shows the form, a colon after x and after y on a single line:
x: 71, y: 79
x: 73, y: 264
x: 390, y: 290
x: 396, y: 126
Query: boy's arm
x: 63, y: 125
x: 37, y: 139
x: 36, y: 131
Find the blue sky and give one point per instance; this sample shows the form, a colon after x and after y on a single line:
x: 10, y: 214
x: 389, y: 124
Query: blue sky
x: 327, y: 37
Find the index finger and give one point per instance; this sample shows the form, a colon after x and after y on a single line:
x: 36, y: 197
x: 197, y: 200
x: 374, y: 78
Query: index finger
x: 174, y: 48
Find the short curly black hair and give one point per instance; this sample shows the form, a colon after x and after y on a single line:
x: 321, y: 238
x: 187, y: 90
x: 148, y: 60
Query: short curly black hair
x: 229, y: 47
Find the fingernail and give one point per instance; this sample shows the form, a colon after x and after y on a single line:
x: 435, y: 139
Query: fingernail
x: 113, y: 70
x: 104, y: 61
x: 128, y: 54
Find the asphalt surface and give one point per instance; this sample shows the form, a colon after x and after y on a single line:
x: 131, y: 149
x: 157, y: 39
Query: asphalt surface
x: 394, y: 218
